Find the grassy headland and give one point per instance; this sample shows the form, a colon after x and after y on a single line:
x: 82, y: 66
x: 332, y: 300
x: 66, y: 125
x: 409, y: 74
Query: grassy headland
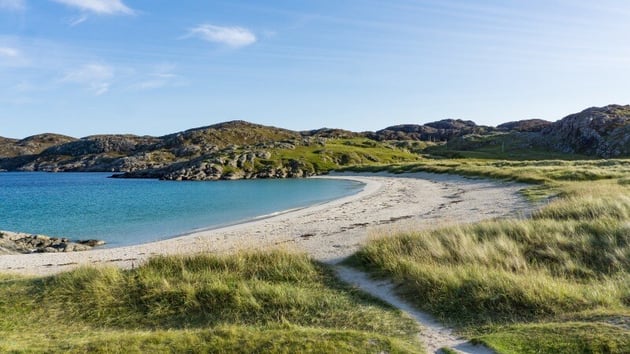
x: 556, y: 282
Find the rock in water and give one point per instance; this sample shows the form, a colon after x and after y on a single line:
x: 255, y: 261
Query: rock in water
x: 91, y: 243
x: 16, y: 243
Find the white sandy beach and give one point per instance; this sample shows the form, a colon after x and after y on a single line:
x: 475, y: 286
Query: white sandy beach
x: 329, y: 232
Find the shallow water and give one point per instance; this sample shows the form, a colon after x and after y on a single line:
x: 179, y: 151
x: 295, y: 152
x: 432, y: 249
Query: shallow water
x: 132, y: 211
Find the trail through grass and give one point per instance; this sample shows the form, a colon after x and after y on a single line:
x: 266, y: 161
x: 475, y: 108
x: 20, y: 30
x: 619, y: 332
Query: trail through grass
x: 557, y: 282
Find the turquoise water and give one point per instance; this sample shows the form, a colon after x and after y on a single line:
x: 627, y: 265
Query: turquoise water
x: 132, y: 211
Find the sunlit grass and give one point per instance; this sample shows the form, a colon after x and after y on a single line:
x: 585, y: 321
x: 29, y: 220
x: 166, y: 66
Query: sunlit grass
x: 248, y: 302
x: 512, y: 282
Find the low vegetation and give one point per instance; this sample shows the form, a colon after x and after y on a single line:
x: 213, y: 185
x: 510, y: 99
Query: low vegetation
x: 336, y: 153
x: 556, y: 282
x: 272, y: 302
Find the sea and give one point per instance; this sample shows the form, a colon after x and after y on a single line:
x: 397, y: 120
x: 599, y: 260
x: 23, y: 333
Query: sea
x: 124, y: 212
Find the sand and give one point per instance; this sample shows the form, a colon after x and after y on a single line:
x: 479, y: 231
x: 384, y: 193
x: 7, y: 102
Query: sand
x: 433, y: 334
x: 329, y: 232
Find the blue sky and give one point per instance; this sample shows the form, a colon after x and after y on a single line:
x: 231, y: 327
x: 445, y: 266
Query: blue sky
x: 81, y: 67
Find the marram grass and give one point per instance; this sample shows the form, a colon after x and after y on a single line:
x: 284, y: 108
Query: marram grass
x: 558, y: 282
x: 248, y: 302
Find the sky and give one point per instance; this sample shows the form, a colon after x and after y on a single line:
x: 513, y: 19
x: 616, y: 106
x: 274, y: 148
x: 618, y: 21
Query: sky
x: 153, y: 67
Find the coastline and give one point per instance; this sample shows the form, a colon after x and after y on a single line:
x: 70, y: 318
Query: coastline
x: 328, y: 231
x: 260, y: 217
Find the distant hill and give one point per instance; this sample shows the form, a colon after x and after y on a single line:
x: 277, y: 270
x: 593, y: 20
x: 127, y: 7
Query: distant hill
x: 230, y: 150
x: 442, y: 130
x: 239, y: 149
x: 598, y: 131
x: 527, y: 125
x: 32, y: 145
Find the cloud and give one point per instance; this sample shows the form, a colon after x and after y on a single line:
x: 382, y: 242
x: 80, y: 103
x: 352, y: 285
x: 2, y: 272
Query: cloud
x: 12, y: 57
x: 13, y: 5
x: 232, y: 36
x: 77, y: 20
x: 161, y: 76
x: 96, y: 77
x: 7, y: 52
x: 101, y: 7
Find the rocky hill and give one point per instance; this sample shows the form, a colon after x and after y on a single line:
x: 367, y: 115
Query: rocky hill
x: 442, y: 130
x: 527, y: 125
x: 230, y: 150
x: 32, y: 145
x: 239, y: 149
x: 603, y: 132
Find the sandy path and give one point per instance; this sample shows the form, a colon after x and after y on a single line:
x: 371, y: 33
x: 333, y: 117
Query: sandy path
x: 329, y: 232
x: 433, y: 334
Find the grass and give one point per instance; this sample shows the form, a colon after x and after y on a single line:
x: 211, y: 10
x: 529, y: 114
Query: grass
x: 230, y: 339
x: 336, y: 153
x: 558, y: 282
x: 555, y: 337
x: 536, y: 172
x: 499, y: 146
x: 251, y: 302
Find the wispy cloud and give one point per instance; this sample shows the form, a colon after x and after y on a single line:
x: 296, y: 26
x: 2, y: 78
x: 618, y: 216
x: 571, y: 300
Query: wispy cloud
x: 96, y: 77
x: 161, y: 76
x: 101, y: 7
x: 13, y: 5
x: 13, y: 57
x: 77, y: 20
x: 235, y: 37
x: 8, y: 52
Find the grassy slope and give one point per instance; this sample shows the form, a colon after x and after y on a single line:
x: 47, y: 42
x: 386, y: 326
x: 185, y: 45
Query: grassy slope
x: 273, y: 302
x: 337, y: 153
x: 558, y: 282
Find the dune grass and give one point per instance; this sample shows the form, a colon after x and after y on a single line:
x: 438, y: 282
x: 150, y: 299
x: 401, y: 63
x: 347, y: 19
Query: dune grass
x: 250, y: 302
x: 556, y: 282
x: 527, y: 171
x: 559, y: 337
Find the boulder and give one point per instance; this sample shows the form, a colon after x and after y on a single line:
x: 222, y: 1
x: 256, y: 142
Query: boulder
x: 15, y: 243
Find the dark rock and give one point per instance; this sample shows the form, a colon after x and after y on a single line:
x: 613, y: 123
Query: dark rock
x: 15, y: 243
x: 91, y: 243
x: 600, y: 131
x: 528, y: 125
x: 436, y: 131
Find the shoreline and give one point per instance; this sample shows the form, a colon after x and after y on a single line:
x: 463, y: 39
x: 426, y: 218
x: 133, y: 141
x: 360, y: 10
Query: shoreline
x: 328, y: 231
x: 256, y: 218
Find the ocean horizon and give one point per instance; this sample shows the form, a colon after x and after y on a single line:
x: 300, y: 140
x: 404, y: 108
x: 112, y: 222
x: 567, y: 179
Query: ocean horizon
x: 125, y: 212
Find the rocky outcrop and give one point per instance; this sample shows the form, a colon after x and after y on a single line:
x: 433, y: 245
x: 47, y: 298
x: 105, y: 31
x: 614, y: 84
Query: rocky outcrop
x: 102, y: 144
x: 229, y: 164
x: 603, y: 132
x: 525, y: 126
x: 331, y: 133
x: 221, y: 135
x: 15, y: 243
x: 33, y: 145
x: 443, y: 130
x: 129, y: 153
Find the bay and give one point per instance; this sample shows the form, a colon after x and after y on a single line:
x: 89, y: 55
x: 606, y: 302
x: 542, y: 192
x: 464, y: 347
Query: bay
x: 132, y: 211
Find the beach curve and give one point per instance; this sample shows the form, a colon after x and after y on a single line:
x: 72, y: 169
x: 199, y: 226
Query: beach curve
x: 328, y: 232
